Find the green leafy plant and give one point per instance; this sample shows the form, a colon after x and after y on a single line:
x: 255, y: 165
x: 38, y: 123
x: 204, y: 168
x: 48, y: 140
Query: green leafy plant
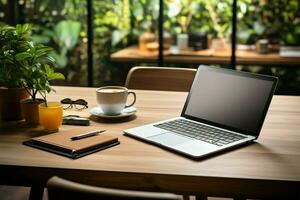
x: 25, y: 64
x: 13, y: 41
x: 38, y: 72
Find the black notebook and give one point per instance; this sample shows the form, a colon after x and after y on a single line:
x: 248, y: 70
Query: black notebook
x: 61, y: 143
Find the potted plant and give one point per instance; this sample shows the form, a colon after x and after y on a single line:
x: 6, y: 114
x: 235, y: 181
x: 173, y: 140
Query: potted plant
x: 13, y: 40
x: 37, y: 82
x: 32, y: 64
x: 38, y: 71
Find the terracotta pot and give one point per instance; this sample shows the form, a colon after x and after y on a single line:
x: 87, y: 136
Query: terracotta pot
x: 30, y: 110
x: 10, y: 107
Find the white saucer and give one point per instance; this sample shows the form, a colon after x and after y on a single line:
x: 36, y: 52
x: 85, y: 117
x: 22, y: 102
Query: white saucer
x: 97, y: 111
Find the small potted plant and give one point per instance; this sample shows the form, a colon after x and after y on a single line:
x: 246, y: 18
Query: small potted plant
x: 13, y: 41
x: 38, y: 71
x: 37, y: 82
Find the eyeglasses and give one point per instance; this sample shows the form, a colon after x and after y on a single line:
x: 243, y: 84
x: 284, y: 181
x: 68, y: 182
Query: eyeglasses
x: 79, y: 104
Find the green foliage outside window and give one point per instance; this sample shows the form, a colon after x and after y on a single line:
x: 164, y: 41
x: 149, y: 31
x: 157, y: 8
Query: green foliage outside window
x: 62, y: 24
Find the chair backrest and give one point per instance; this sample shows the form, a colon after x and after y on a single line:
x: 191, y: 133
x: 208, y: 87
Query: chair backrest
x: 160, y: 78
x: 61, y: 189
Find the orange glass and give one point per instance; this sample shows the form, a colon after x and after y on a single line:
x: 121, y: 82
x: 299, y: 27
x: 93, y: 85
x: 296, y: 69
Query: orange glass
x: 51, y: 117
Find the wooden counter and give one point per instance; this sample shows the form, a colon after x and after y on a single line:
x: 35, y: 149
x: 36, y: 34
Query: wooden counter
x: 244, y: 57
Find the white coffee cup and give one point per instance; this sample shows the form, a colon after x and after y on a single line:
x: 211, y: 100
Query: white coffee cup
x: 112, y: 99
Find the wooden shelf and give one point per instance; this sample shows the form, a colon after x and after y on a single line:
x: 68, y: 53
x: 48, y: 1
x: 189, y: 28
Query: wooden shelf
x: 211, y: 56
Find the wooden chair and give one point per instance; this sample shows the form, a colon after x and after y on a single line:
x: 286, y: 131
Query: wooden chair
x: 160, y: 78
x: 61, y: 189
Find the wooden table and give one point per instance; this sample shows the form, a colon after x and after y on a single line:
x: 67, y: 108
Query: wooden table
x: 269, y: 168
x: 243, y: 57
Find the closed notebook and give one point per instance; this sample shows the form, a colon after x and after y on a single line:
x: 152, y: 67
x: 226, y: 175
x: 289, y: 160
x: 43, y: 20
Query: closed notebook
x: 61, y: 143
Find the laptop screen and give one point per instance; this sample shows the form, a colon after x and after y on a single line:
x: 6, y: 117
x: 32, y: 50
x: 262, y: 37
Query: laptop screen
x: 234, y: 100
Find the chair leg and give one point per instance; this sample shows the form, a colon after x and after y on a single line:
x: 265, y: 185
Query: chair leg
x: 36, y: 193
x: 201, y: 197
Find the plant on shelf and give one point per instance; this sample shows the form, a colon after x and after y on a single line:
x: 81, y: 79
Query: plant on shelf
x: 27, y: 65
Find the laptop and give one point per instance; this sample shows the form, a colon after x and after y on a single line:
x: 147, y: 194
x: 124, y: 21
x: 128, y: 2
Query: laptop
x: 224, y: 108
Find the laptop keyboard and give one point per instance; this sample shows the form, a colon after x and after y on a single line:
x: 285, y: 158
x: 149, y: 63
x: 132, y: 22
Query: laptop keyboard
x: 201, y: 132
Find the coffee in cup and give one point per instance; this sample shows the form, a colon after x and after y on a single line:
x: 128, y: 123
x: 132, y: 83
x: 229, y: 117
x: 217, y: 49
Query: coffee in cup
x: 112, y: 99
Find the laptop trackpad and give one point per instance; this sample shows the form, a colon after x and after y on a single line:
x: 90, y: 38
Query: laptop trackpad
x: 169, y: 139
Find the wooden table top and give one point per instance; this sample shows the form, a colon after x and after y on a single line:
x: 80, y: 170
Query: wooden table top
x: 269, y: 167
x: 243, y: 57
